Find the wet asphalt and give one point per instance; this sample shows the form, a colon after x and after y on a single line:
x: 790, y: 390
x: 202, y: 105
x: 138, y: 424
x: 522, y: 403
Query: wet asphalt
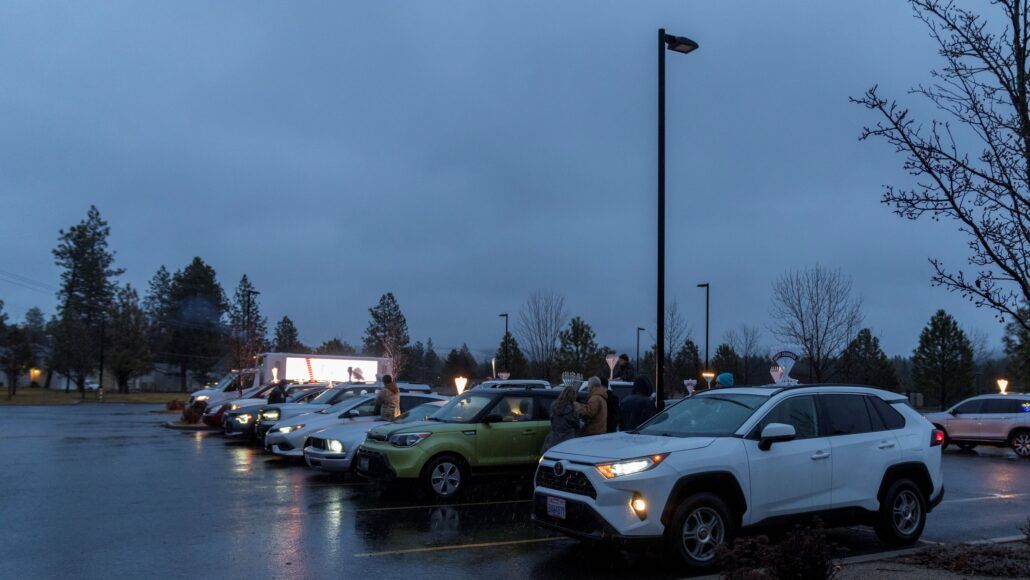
x: 102, y: 491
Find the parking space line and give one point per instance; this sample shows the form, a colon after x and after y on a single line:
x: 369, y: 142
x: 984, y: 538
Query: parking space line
x: 986, y: 497
x: 436, y: 505
x: 460, y: 547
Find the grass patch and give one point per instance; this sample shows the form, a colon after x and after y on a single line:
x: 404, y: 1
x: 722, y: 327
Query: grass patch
x: 1007, y: 561
x: 37, y: 396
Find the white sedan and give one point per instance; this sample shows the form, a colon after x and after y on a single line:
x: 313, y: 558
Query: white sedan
x: 333, y: 449
x: 287, y: 437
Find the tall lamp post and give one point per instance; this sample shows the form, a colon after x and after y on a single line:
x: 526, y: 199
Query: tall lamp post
x: 637, y: 361
x: 507, y: 366
x: 708, y: 302
x: 682, y: 45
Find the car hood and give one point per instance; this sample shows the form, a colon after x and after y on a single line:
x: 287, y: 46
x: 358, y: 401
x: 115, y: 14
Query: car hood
x: 351, y: 429
x: 294, y: 408
x: 383, y: 432
x: 627, y: 446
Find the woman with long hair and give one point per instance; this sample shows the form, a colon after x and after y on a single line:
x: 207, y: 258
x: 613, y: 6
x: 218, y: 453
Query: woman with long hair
x: 565, y: 420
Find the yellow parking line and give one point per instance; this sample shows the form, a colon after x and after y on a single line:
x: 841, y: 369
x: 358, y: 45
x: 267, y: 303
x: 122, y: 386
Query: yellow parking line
x: 459, y: 547
x: 436, y: 505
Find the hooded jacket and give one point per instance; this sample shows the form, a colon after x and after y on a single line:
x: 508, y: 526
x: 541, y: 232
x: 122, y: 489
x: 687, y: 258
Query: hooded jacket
x: 565, y: 425
x: 595, y: 412
x: 638, y: 407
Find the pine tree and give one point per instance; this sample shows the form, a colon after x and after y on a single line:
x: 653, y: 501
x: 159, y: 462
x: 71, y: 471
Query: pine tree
x: 414, y: 369
x: 578, y: 350
x: 336, y: 347
x: 1017, y: 347
x: 36, y: 329
x: 129, y: 328
x: 160, y: 312
x: 85, y: 294
x: 686, y: 364
x: 196, y: 324
x: 726, y: 360
x: 433, y: 365
x: 16, y: 355
x: 459, y: 363
x: 387, y: 332
x: 942, y: 364
x: 865, y: 363
x: 287, y: 339
x: 517, y: 365
x: 248, y: 329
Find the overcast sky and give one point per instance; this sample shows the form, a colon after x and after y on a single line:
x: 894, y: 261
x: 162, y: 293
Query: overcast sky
x: 464, y: 154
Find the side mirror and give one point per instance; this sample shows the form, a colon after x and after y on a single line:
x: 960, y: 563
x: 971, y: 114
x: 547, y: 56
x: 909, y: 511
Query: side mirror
x: 953, y: 412
x: 354, y: 413
x: 776, y: 433
x: 493, y: 418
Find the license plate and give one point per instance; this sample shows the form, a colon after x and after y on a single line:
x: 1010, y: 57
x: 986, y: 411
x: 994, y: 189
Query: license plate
x: 556, y: 507
x: 363, y: 464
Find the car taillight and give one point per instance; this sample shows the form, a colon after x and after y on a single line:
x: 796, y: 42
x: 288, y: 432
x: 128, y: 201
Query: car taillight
x: 936, y: 438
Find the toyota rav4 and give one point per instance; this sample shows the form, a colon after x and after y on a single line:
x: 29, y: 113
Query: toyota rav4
x: 739, y: 459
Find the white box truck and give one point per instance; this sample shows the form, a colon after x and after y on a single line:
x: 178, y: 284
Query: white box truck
x: 308, y: 368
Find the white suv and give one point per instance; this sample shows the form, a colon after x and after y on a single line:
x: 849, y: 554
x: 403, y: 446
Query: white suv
x: 997, y: 420
x: 745, y: 458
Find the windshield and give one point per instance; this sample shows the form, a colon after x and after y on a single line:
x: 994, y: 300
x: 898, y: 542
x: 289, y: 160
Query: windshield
x: 323, y: 399
x: 419, y: 413
x: 345, y: 405
x: 462, y: 409
x: 704, y: 415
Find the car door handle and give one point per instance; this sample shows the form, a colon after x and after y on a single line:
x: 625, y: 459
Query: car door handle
x: 821, y: 455
x: 528, y: 431
x: 885, y: 445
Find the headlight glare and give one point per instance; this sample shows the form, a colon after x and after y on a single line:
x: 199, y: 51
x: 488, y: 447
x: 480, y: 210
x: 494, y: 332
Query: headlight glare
x: 244, y: 418
x: 630, y: 466
x: 290, y: 428
x: 270, y: 415
x: 335, y: 446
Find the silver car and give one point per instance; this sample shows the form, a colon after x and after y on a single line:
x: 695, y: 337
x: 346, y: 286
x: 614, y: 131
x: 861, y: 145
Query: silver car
x: 995, y: 420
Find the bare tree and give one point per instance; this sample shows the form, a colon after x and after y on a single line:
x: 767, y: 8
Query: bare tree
x: 540, y: 321
x: 985, y: 185
x: 815, y: 309
x: 745, y: 340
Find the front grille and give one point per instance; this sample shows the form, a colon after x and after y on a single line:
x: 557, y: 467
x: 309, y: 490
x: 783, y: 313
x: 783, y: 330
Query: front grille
x: 318, y: 443
x: 571, y: 481
x: 378, y: 465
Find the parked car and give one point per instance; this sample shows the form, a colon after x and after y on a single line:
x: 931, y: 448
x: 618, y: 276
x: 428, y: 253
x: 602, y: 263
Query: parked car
x: 723, y: 461
x: 287, y: 438
x: 333, y: 448
x: 225, y: 386
x: 268, y: 415
x: 995, y: 420
x: 216, y: 411
x: 512, y: 384
x: 494, y: 429
x: 241, y: 421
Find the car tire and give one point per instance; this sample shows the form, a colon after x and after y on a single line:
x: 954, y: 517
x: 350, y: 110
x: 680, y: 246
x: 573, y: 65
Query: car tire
x: 697, y: 528
x: 445, y: 477
x: 1020, y: 443
x: 902, y: 514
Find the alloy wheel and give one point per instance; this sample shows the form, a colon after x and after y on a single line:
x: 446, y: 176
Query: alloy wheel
x: 1021, y: 444
x: 703, y: 532
x: 907, y: 512
x: 445, y: 478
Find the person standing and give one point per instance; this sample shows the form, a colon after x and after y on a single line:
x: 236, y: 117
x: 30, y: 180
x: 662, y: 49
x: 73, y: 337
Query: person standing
x: 278, y: 394
x: 638, y: 407
x: 388, y: 399
x: 565, y: 421
x: 595, y: 411
x: 612, y: 423
x: 623, y: 369
x: 724, y: 380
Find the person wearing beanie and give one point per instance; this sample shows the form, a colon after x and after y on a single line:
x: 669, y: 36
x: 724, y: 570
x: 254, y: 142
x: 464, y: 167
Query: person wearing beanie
x: 638, y: 407
x: 724, y: 380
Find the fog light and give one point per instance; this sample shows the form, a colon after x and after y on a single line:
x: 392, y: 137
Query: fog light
x: 639, y: 506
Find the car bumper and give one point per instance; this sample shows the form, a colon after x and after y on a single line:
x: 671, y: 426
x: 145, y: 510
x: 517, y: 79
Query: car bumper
x: 388, y: 462
x: 582, y: 522
x: 327, y: 461
x: 936, y: 501
x: 234, y: 428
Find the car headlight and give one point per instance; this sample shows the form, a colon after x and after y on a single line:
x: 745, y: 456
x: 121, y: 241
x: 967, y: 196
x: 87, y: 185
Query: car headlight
x: 233, y: 407
x: 335, y: 446
x: 290, y: 428
x: 244, y: 418
x: 202, y: 397
x: 630, y: 466
x: 270, y: 415
x: 408, y: 439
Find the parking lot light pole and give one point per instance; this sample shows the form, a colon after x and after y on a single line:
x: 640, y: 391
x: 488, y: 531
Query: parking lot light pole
x: 685, y: 46
x: 708, y: 294
x: 507, y: 366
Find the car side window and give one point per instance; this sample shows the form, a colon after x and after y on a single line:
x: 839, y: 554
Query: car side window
x: 846, y: 414
x: 969, y: 407
x: 514, y: 409
x: 891, y: 418
x: 409, y: 403
x: 366, y: 409
x: 875, y: 420
x: 1000, y: 406
x: 543, y: 408
x: 800, y: 412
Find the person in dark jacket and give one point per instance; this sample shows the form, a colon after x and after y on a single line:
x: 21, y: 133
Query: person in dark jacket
x: 277, y: 395
x: 612, y: 422
x: 565, y: 421
x: 638, y: 407
x: 623, y: 370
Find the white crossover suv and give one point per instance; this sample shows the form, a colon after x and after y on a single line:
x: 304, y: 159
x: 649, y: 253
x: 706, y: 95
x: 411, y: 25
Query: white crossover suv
x: 737, y: 459
x: 996, y: 420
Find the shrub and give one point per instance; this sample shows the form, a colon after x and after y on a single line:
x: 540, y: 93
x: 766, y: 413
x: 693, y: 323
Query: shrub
x: 175, y: 405
x: 803, y: 554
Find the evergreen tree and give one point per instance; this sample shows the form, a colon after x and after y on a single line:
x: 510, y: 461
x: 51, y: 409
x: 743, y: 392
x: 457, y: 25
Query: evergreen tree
x: 129, y: 328
x: 578, y: 350
x: 160, y: 312
x: 196, y: 323
x: 459, y: 363
x: 517, y: 365
x: 1017, y: 347
x: 16, y: 355
x: 248, y: 329
x: 415, y: 367
x: 864, y: 363
x: 433, y: 365
x: 942, y: 364
x: 287, y: 339
x: 726, y: 360
x: 36, y: 329
x: 387, y: 332
x: 85, y: 294
x: 336, y: 347
x: 686, y: 364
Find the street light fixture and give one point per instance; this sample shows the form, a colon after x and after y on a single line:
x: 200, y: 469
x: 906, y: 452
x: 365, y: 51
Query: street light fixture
x: 681, y: 45
x: 708, y: 294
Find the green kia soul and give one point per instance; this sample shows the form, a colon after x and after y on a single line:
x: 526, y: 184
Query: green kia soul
x: 476, y: 432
